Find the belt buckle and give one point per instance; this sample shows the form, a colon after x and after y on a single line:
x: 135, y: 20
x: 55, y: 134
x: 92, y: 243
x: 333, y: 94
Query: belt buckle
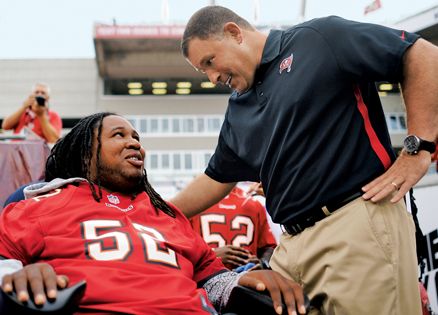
x: 297, y: 228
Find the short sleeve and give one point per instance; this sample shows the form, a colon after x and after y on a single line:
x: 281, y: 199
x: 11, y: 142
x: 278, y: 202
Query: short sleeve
x: 17, y: 241
x: 364, y: 50
x: 226, y: 167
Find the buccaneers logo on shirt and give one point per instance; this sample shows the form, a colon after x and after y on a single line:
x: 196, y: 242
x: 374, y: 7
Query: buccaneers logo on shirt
x: 286, y: 63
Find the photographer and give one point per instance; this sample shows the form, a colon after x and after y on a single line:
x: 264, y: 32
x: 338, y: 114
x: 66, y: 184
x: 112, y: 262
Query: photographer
x: 35, y: 115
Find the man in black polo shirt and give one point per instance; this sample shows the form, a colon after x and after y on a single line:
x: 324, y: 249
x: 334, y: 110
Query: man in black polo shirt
x: 306, y: 120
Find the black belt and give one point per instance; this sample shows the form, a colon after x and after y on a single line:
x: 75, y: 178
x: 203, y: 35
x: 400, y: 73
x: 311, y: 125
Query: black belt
x: 309, y: 218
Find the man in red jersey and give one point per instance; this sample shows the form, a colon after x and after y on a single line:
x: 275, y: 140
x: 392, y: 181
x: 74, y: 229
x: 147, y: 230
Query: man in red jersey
x: 237, y: 230
x: 99, y: 219
x: 35, y: 115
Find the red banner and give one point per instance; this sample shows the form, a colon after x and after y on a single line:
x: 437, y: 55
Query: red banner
x: 138, y: 31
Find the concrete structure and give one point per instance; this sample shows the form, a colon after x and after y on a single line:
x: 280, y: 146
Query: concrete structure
x: 73, y: 82
x: 170, y: 125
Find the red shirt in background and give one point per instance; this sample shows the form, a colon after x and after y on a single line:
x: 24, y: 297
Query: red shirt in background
x: 237, y: 220
x: 29, y: 119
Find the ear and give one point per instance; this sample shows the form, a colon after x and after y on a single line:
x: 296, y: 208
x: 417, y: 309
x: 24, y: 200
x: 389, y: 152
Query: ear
x: 234, y: 31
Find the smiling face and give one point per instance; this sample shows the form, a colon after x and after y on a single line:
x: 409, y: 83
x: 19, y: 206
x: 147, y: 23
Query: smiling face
x: 227, y: 60
x: 121, y: 159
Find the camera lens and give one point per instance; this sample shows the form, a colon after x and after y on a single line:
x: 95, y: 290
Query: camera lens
x: 41, y: 101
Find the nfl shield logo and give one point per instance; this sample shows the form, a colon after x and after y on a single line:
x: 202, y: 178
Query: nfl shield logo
x: 113, y: 199
x: 286, y: 63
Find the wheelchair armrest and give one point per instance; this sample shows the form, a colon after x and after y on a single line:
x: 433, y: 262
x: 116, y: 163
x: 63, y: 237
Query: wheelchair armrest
x: 246, y: 301
x: 66, y: 302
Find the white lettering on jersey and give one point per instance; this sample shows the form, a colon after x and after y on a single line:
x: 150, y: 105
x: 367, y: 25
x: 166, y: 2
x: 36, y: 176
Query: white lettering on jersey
x: 96, y: 250
x: 129, y: 208
x: 155, y: 249
x: 231, y: 207
x: 238, y: 222
x: 209, y: 237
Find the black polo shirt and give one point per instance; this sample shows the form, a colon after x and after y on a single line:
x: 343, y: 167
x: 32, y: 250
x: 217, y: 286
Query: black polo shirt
x: 312, y: 127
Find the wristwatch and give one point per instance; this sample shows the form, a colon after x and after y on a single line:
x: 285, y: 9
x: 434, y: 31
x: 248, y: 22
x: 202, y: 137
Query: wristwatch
x: 413, y: 144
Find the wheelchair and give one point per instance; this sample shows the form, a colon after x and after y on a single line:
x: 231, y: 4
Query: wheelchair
x: 242, y: 301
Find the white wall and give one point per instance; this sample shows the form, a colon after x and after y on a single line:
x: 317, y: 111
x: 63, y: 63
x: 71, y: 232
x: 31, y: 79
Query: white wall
x: 72, y: 82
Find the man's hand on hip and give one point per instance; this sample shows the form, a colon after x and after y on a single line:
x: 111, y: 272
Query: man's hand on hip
x: 406, y: 171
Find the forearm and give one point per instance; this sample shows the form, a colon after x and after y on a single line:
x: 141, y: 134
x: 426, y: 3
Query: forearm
x: 50, y: 133
x: 420, y: 90
x: 12, y: 120
x: 200, y: 194
x: 420, y: 93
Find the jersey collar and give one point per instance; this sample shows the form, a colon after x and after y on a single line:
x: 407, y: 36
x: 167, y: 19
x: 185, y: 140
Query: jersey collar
x: 272, y: 47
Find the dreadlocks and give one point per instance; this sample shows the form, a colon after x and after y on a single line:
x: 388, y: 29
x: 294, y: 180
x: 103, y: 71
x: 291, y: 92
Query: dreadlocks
x: 71, y: 157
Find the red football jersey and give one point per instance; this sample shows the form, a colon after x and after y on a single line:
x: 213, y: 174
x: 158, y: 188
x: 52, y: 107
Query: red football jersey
x: 135, y: 259
x: 28, y: 119
x: 237, y: 220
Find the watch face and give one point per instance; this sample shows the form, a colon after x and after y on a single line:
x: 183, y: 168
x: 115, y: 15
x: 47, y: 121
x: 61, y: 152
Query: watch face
x: 412, y: 143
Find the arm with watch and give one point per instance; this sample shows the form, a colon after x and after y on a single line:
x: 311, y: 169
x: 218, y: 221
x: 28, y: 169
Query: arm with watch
x: 420, y: 94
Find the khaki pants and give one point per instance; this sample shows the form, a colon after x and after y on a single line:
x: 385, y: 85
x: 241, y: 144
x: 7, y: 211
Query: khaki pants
x: 361, y: 260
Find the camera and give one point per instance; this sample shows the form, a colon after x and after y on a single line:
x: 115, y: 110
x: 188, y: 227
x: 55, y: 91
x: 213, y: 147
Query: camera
x: 41, y: 101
